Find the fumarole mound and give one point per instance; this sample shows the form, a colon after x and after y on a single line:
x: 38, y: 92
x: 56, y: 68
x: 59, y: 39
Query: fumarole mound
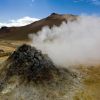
x: 30, y: 75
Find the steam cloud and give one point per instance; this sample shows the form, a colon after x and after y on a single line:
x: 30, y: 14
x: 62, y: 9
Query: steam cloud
x: 73, y: 43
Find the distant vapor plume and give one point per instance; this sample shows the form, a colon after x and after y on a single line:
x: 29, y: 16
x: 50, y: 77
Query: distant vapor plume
x: 74, y: 43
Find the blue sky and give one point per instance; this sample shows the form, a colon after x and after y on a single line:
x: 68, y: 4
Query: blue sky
x: 14, y: 9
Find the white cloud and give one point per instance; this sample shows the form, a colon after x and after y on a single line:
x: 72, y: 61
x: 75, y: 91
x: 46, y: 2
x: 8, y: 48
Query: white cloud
x: 95, y: 2
x: 33, y: 0
x: 19, y: 22
x: 78, y: 1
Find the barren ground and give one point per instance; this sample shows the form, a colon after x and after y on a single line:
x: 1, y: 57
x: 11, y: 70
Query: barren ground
x: 91, y: 79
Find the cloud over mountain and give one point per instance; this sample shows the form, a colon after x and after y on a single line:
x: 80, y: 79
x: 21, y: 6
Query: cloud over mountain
x: 19, y: 22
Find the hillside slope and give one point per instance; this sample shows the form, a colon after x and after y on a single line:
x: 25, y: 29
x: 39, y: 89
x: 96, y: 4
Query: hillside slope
x: 21, y: 33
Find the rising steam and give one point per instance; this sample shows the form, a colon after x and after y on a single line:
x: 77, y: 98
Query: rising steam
x: 76, y: 42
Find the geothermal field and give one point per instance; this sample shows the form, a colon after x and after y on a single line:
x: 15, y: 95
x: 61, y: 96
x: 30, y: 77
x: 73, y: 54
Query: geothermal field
x: 55, y: 58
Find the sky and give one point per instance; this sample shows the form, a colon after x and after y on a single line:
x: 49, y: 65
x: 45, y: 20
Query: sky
x: 18, y: 9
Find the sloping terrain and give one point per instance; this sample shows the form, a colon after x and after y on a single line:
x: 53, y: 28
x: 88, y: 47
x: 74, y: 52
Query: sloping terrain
x: 21, y: 33
x: 7, y: 47
x: 30, y: 74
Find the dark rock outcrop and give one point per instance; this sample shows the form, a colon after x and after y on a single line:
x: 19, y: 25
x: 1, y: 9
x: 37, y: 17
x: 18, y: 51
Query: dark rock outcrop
x: 4, y: 29
x: 30, y: 64
x: 1, y: 51
x: 29, y: 74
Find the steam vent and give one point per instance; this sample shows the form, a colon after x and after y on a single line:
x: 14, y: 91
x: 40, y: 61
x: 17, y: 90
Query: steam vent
x: 29, y: 74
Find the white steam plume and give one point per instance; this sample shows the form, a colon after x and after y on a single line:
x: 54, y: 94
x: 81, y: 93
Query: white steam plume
x: 74, y: 43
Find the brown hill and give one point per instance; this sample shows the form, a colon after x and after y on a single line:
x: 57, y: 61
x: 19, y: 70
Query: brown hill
x: 21, y: 33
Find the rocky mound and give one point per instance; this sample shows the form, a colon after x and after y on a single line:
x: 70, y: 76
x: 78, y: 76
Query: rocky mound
x: 28, y: 74
x: 30, y: 64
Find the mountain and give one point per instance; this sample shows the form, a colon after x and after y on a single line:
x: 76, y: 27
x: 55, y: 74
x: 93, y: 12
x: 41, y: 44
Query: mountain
x: 21, y: 33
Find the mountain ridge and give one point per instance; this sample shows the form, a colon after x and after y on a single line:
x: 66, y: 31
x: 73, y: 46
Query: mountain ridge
x: 21, y: 33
